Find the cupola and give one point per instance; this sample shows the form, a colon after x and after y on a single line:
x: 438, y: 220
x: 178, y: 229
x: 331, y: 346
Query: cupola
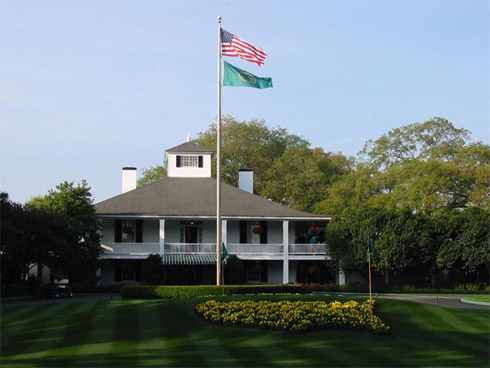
x: 188, y: 160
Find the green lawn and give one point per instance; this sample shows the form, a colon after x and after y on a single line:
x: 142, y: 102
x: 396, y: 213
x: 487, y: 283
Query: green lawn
x: 169, y: 333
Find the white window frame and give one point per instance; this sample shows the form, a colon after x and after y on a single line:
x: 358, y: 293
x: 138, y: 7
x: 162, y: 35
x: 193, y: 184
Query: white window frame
x: 189, y: 161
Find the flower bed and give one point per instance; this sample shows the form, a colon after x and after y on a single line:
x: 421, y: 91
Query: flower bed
x: 295, y: 316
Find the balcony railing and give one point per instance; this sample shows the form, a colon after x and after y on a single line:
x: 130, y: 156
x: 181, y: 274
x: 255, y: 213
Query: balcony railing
x: 193, y: 248
x: 209, y: 248
x: 255, y: 248
x: 130, y: 248
x: 307, y: 249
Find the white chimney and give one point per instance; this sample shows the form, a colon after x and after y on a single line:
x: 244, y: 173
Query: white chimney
x: 128, y: 179
x: 246, y: 180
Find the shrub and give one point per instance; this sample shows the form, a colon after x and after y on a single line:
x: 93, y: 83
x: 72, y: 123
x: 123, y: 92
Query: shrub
x: 235, y: 273
x: 152, y: 270
x: 183, y: 292
x: 297, y: 316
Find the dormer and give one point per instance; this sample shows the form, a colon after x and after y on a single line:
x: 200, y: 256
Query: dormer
x: 188, y: 160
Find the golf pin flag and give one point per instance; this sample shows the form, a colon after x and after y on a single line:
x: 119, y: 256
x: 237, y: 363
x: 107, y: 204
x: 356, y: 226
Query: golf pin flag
x: 237, y: 77
x: 371, y: 251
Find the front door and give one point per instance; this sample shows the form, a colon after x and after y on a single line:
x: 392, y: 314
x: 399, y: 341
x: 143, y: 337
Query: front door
x: 191, y: 232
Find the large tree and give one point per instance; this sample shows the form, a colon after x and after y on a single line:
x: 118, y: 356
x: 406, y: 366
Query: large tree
x: 15, y: 251
x: 74, y: 251
x: 423, y: 167
x: 285, y: 168
x: 248, y: 145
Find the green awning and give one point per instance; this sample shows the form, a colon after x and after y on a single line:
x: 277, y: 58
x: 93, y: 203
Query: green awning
x: 189, y: 259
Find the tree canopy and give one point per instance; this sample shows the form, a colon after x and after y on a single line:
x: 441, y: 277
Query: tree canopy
x: 423, y: 166
x: 286, y: 169
x: 58, y: 230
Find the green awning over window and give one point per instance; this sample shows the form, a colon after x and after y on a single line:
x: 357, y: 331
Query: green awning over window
x: 189, y: 259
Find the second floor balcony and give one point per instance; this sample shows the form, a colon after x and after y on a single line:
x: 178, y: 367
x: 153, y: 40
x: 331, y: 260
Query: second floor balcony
x: 142, y: 250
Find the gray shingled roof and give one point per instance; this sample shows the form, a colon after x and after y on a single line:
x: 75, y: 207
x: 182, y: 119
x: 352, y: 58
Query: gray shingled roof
x: 188, y: 197
x: 189, y: 147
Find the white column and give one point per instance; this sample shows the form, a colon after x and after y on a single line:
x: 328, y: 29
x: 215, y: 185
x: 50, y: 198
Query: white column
x: 285, y: 243
x: 162, y: 236
x: 224, y: 234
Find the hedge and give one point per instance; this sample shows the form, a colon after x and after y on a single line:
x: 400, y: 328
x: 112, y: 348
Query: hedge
x: 184, y: 292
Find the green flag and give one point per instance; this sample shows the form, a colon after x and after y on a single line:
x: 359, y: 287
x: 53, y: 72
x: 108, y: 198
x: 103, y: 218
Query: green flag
x: 224, y: 252
x: 371, y: 251
x: 237, y: 77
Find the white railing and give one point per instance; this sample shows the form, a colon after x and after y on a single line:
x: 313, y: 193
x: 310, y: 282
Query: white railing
x: 192, y: 248
x: 255, y: 248
x: 210, y: 248
x: 307, y: 249
x: 130, y: 248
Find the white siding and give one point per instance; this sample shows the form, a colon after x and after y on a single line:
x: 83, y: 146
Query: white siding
x: 292, y: 272
x: 233, y: 232
x: 107, y: 230
x: 274, y: 232
x: 209, y: 231
x: 188, y: 172
x: 151, y: 231
x: 274, y: 272
x: 172, y: 231
x: 107, y: 273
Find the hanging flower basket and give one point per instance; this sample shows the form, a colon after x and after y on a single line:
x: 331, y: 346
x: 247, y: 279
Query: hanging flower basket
x: 256, y: 229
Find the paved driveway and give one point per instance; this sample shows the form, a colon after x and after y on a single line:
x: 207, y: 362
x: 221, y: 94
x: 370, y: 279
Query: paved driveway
x: 442, y: 301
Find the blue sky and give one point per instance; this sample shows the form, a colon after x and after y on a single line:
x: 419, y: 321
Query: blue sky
x: 87, y: 87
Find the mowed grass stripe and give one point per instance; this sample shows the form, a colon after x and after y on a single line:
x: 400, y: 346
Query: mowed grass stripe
x: 212, y: 345
x: 14, y: 319
x: 169, y: 333
x: 73, y: 337
x: 448, y: 347
x: 95, y: 352
x: 176, y: 326
x: 414, y: 341
x: 458, y: 332
x: 153, y: 349
x: 35, y: 335
x: 125, y: 333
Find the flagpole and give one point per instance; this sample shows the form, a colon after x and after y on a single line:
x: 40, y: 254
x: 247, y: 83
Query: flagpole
x: 369, y: 257
x: 218, y: 165
x: 370, y: 292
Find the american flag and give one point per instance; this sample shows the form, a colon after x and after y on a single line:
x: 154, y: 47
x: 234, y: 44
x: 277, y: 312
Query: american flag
x: 232, y: 45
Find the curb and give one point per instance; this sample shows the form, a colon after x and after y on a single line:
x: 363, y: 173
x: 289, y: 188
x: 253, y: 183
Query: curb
x: 465, y: 300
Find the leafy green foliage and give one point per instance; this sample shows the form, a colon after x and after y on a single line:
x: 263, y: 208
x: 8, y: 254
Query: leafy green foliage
x: 235, y: 273
x: 183, y: 292
x: 248, y: 145
x: 413, y: 244
x: 423, y: 167
x: 152, y: 174
x: 152, y: 270
x: 70, y: 245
